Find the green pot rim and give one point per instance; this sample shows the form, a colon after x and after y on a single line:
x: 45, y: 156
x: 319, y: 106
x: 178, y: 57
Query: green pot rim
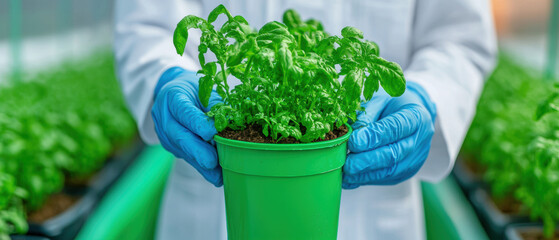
x: 286, y: 146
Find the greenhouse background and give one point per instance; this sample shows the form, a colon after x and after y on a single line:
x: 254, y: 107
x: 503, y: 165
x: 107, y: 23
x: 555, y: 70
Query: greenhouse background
x: 73, y: 167
x: 54, y: 30
x: 61, y: 29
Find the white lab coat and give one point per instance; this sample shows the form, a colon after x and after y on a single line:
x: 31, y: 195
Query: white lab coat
x: 447, y: 46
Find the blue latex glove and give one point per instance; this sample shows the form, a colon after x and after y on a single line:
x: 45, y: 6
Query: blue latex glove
x: 391, y: 139
x: 181, y: 124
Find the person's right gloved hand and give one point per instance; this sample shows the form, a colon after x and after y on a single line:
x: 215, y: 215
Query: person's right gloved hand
x: 182, y: 125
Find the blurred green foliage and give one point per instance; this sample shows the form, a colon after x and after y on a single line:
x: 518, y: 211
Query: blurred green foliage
x: 12, y: 215
x: 58, y: 123
x: 520, y: 152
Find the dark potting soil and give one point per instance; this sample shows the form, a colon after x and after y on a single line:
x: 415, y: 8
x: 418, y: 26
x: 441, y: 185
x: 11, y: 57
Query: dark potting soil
x: 474, y: 166
x: 537, y: 235
x: 253, y: 133
x: 55, y: 204
x: 508, y: 205
x: 79, y: 181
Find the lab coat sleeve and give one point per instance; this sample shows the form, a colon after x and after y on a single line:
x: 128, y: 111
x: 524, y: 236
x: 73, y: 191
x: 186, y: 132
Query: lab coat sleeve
x: 144, y: 49
x: 454, y: 50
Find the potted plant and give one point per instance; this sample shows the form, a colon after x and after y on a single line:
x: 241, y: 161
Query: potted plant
x: 283, y: 130
x: 539, y: 179
x: 518, y: 152
x: 534, y: 193
x: 503, y: 122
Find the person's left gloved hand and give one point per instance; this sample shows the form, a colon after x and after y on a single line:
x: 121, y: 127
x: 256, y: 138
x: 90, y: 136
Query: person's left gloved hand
x: 181, y: 123
x: 391, y: 139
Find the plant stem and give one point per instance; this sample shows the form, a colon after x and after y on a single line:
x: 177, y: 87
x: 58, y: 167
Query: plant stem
x: 224, y: 79
x: 249, y: 65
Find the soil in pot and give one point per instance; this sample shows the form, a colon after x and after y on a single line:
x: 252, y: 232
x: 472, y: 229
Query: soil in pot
x: 253, y: 133
x: 55, y: 205
x: 508, y: 205
x: 79, y: 181
x: 473, y: 165
x: 537, y: 235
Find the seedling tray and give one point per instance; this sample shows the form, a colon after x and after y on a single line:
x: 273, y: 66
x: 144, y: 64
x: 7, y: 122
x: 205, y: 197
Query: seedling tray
x: 466, y: 178
x: 514, y: 231
x: 115, y: 166
x: 27, y: 237
x: 67, y: 224
x: 493, y: 219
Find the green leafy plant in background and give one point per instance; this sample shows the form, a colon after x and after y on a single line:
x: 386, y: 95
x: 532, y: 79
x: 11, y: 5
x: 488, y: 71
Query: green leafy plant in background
x: 60, y: 123
x: 549, y: 105
x: 539, y: 181
x: 12, y: 215
x: 504, y: 123
x: 539, y: 174
x: 289, y: 80
x: 519, y: 151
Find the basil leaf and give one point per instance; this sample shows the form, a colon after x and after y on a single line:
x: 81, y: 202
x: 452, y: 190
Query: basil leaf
x: 181, y: 32
x: 390, y: 76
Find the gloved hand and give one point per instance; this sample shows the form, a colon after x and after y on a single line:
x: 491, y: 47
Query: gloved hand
x: 181, y: 124
x: 391, y: 139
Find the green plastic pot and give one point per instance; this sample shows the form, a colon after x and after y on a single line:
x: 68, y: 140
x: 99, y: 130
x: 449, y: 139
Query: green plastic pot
x: 282, y: 191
